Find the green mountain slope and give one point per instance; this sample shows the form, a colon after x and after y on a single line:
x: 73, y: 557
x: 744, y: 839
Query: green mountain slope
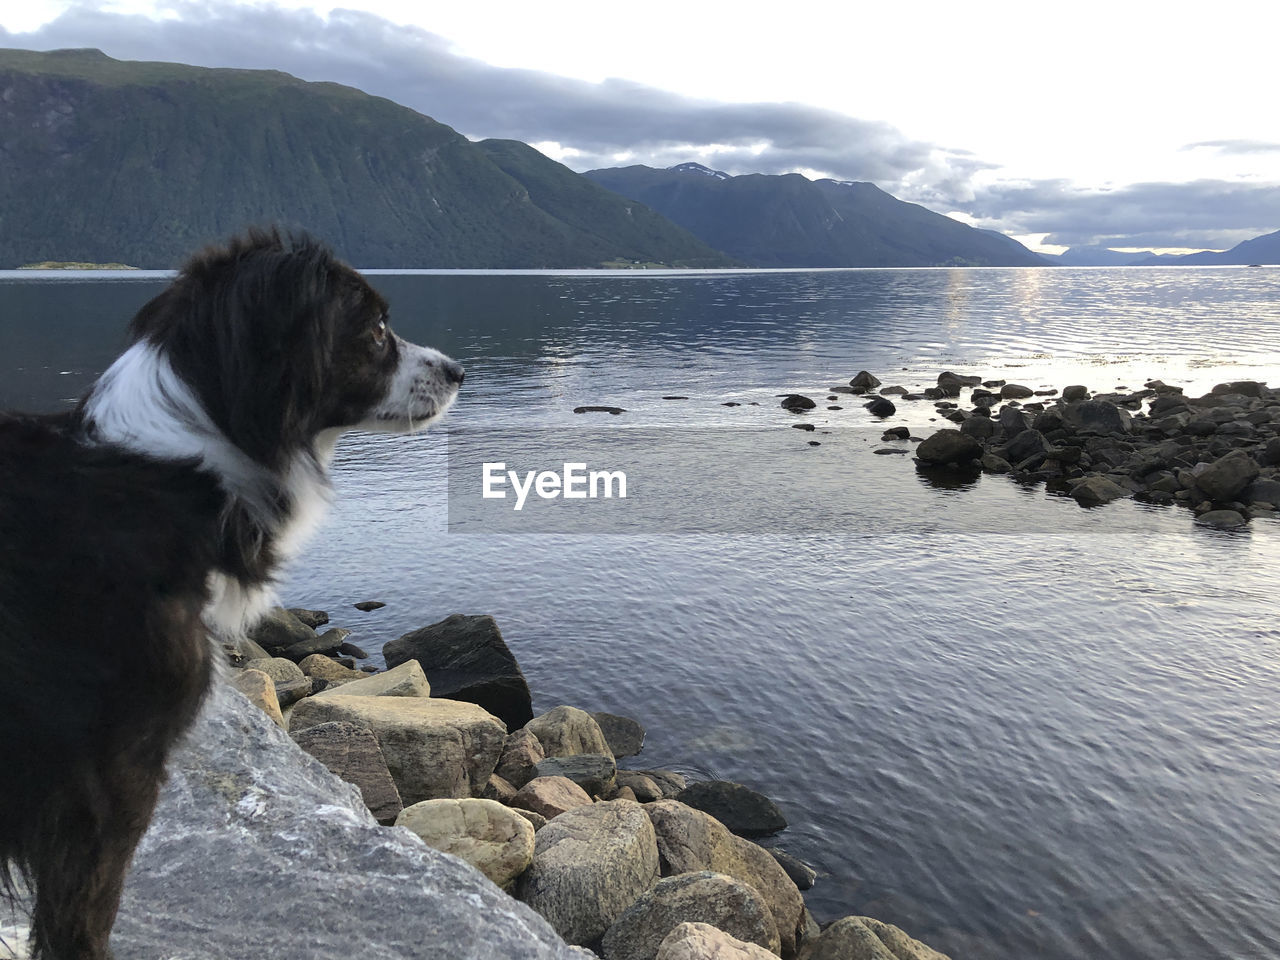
x: 791, y: 221
x: 105, y: 160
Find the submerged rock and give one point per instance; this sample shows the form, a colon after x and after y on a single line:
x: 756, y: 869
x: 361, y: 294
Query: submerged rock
x: 797, y: 403
x: 948, y: 446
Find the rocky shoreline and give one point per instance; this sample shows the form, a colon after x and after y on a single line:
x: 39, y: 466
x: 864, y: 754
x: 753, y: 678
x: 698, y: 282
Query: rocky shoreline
x: 1216, y: 454
x: 631, y: 864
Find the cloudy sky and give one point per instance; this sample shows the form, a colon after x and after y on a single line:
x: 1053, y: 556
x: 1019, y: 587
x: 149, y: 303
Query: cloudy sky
x: 1127, y: 123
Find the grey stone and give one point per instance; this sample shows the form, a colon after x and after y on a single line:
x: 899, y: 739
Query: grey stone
x: 466, y: 658
x: 668, y: 782
x: 1222, y: 519
x: 550, y: 796
x: 980, y: 428
x: 1097, y: 416
x: 406, y: 680
x: 1226, y: 477
x: 1075, y: 392
x: 277, y: 668
x: 1264, y: 491
x: 703, y: 897
x: 590, y: 864
x: 865, y: 381
x: 326, y: 668
x: 245, y: 812
x: 352, y: 753
x: 593, y: 772
x: 261, y: 691
x: 1028, y: 443
x: 365, y: 606
x: 1015, y: 391
x: 796, y: 403
x: 881, y: 407
x: 327, y: 642
x: 948, y: 446
x: 863, y: 938
x: 312, y: 618
x: 801, y: 874
x: 624, y: 735
x: 1096, y: 490
x: 278, y: 629
x: 741, y: 809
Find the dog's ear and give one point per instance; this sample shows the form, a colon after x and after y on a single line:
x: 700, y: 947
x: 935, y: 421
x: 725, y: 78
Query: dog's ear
x: 250, y: 328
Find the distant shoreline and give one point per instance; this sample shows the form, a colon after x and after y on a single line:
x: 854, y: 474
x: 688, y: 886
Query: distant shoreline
x: 73, y: 265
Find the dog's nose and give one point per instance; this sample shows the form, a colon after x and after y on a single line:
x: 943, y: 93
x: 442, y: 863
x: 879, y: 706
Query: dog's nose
x: 454, y: 373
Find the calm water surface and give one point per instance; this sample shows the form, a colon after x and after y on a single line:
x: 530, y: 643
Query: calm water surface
x: 1014, y: 727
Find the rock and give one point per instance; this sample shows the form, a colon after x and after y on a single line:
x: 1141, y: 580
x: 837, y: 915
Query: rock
x: 352, y: 753
x: 251, y: 834
x: 261, y: 692
x: 1012, y: 422
x: 881, y: 407
x: 312, y: 618
x: 862, y: 938
x: 896, y: 433
x: 1244, y: 388
x: 641, y: 787
x: 589, y: 864
x: 864, y: 381
x: 327, y: 642
x: 326, y: 668
x: 496, y: 841
x: 499, y: 789
x: 279, y: 629
x: 599, y: 409
x: 520, y: 755
x: 278, y: 669
x: 593, y: 772
x: 1026, y: 444
x: 949, y: 379
x: 624, y: 735
x: 1226, y: 477
x: 797, y: 403
x: 287, y: 694
x: 801, y: 874
x: 890, y: 451
x: 1097, y: 416
x: 537, y: 819
x: 366, y: 606
x: 894, y: 391
x: 995, y: 464
x: 565, y: 731
x: 980, y: 428
x: 1263, y: 491
x: 804, y: 426
x: 668, y: 782
x: 741, y: 809
x: 465, y: 658
x: 701, y: 941
x: 349, y: 649
x: 1096, y: 490
x: 704, y: 897
x: 550, y: 796
x: 1222, y: 519
x: 434, y: 748
x: 690, y: 840
x: 406, y: 680
x: 948, y: 446
x: 1015, y: 391
x: 1270, y: 455
x: 1075, y: 392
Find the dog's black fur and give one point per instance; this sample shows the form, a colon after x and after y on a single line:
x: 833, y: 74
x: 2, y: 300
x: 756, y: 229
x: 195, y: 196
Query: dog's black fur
x: 136, y: 526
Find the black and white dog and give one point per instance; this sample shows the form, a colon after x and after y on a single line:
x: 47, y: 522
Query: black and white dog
x: 154, y: 515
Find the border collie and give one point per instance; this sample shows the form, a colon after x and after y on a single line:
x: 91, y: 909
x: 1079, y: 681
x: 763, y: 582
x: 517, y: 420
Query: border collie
x: 155, y: 516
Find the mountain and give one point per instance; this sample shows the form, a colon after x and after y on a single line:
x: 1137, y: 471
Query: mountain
x: 1263, y: 249
x: 107, y: 160
x: 791, y: 221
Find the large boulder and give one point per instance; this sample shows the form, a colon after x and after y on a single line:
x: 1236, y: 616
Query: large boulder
x: 863, y: 938
x: 255, y: 843
x: 1097, y: 416
x: 704, y: 897
x: 352, y: 753
x: 624, y: 735
x: 1096, y: 490
x: 495, y: 840
x: 279, y: 629
x: 701, y: 941
x: 590, y: 864
x: 690, y: 840
x: 521, y: 755
x: 948, y: 446
x: 567, y: 731
x: 1225, y: 478
x: 465, y: 658
x: 434, y: 748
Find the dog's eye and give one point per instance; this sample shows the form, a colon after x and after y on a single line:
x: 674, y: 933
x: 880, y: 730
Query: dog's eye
x: 380, y: 332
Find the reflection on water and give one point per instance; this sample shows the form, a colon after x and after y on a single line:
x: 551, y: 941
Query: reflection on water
x: 1056, y: 742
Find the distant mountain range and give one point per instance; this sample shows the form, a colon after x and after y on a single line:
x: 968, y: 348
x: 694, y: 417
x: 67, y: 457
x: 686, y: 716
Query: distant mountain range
x: 791, y: 221
x: 104, y: 160
x: 1260, y: 250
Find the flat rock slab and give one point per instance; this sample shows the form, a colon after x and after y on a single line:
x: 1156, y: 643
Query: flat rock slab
x: 550, y: 796
x: 406, y: 680
x: 352, y: 753
x: 257, y: 850
x: 593, y: 772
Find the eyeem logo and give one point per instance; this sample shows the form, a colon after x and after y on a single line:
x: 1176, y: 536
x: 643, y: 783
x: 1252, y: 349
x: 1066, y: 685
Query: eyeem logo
x: 574, y: 483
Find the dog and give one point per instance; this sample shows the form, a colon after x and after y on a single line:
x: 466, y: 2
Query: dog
x: 154, y: 518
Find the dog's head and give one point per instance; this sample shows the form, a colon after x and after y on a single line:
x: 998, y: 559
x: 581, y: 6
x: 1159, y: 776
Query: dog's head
x: 281, y: 343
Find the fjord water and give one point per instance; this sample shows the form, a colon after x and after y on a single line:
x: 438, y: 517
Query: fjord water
x: 1012, y: 726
